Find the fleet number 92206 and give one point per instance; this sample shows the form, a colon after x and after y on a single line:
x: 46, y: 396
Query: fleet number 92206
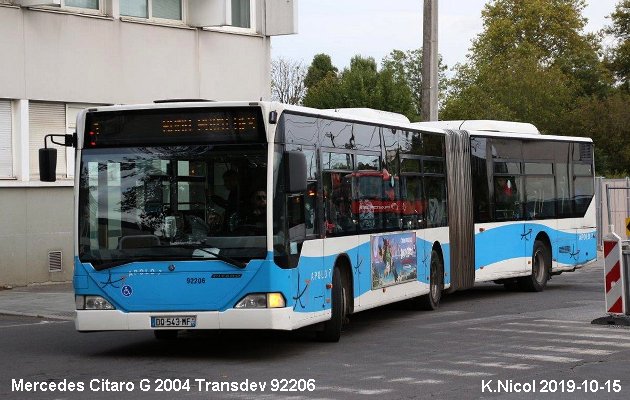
x: 195, y: 281
x: 246, y: 385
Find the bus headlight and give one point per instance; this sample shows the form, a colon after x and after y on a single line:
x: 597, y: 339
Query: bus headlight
x: 275, y: 300
x: 92, y: 303
x: 262, y: 300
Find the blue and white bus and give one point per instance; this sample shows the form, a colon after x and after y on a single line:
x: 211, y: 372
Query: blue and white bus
x: 236, y: 215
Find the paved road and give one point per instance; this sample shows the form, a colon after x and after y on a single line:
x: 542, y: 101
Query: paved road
x: 478, y: 337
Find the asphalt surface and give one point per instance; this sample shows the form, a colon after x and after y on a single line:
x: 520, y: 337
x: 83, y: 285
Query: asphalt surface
x: 481, y: 343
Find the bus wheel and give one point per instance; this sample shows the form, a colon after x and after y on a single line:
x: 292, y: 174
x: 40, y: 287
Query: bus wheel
x: 165, y: 334
x: 541, y: 263
x: 331, y: 331
x: 431, y: 300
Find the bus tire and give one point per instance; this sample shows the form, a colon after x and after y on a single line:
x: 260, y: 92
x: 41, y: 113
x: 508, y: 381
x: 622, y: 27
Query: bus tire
x: 331, y: 331
x: 431, y: 300
x: 541, y: 264
x: 165, y: 335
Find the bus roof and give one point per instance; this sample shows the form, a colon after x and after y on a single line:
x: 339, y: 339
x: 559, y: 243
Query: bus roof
x: 367, y: 115
x: 505, y: 129
x: 484, y: 125
x: 372, y: 113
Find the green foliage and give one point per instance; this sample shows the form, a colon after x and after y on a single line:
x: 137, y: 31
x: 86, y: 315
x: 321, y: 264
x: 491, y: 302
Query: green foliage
x: 359, y: 83
x: 606, y: 121
x: 362, y: 85
x: 619, y: 58
x: 325, y: 94
x: 530, y: 64
x: 320, y: 68
x: 513, y: 89
x: 407, y: 66
x: 549, y: 29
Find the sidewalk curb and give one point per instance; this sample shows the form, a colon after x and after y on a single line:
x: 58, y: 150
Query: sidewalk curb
x: 613, y: 320
x: 33, y: 315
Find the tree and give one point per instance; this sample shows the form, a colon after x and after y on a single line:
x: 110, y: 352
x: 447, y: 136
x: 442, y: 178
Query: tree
x: 618, y: 58
x: 362, y: 85
x: 407, y: 65
x: 359, y: 83
x: 287, y: 81
x: 320, y: 68
x: 531, y: 63
x: 605, y: 120
x: 514, y: 89
x: 325, y: 94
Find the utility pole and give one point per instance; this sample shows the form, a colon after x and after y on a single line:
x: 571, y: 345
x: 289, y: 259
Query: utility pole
x: 430, y: 61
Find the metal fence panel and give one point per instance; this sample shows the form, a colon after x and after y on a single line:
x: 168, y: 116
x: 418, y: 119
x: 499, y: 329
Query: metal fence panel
x: 619, y: 206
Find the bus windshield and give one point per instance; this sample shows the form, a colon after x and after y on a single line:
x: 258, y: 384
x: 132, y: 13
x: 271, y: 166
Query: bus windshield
x: 172, y: 203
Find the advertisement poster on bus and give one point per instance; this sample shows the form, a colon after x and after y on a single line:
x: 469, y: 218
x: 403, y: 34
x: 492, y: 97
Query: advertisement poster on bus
x: 393, y: 259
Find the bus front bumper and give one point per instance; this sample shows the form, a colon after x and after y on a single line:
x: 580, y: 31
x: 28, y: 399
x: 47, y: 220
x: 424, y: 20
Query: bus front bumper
x: 274, y: 318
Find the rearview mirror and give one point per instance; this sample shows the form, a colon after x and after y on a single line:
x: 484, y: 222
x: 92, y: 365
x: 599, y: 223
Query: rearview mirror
x: 47, y: 165
x: 295, y: 171
x: 48, y: 157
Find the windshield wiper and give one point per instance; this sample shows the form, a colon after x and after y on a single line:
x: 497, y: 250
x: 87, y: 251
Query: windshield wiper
x: 218, y: 256
x: 117, y: 263
x: 159, y: 257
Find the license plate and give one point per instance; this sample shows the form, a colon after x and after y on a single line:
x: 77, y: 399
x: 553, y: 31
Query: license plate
x: 174, y: 322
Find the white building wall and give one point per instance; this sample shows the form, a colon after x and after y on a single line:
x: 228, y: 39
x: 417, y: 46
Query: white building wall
x: 12, y: 83
x: 78, y: 58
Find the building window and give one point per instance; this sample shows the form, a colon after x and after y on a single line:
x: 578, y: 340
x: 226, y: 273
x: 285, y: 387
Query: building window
x: 134, y: 8
x: 89, y: 4
x: 46, y: 118
x: 93, y: 7
x: 167, y: 9
x: 158, y: 9
x: 241, y: 13
x: 6, y: 150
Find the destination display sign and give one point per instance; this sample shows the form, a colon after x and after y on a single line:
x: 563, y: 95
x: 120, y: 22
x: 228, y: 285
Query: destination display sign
x: 161, y: 126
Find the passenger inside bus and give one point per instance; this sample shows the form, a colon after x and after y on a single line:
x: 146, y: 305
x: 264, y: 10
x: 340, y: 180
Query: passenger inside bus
x: 231, y: 204
x: 257, y: 212
x: 506, y: 198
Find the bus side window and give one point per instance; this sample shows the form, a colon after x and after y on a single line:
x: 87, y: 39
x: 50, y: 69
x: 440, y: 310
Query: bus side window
x: 310, y: 208
x: 583, y: 192
x: 481, y: 189
x: 506, y: 198
x: 338, y: 215
x: 436, y: 201
x: 413, y: 205
x: 563, y: 195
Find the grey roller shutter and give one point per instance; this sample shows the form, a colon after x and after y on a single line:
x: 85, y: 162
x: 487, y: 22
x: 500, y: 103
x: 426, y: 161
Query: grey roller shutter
x: 46, y: 119
x: 6, y: 140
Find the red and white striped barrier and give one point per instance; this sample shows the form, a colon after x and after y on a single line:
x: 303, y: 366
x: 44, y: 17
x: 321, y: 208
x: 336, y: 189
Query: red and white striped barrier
x: 614, y: 276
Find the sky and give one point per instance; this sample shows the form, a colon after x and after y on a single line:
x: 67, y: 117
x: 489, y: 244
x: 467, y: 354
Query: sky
x: 372, y: 28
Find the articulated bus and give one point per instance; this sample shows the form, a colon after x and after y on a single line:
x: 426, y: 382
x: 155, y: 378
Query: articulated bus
x: 235, y: 215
